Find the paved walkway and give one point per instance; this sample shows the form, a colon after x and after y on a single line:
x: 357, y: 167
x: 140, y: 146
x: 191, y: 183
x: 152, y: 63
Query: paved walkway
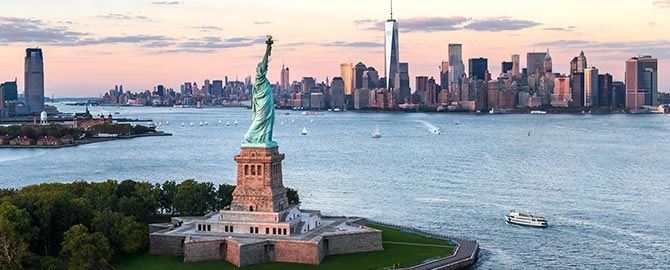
x: 417, y: 244
x: 467, y: 250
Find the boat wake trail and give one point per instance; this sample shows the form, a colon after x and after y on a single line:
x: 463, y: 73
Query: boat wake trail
x: 430, y: 127
x: 13, y: 158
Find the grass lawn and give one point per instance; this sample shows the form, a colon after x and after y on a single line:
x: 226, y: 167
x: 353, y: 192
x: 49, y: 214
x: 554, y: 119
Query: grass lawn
x: 405, y: 255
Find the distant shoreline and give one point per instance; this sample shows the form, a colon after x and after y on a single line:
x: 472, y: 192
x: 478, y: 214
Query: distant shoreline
x: 89, y: 141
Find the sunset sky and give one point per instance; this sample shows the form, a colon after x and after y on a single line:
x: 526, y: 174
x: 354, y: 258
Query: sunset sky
x: 89, y: 46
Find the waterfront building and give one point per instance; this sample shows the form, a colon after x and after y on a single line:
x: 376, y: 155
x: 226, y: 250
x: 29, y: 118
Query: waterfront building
x: 619, y: 94
x: 578, y: 89
x: 346, y: 73
x: 591, y: 87
x: 562, y: 95
x: 48, y: 141
x: 337, y: 86
x: 34, y: 80
x: 605, y: 95
x: 477, y: 68
x: 361, y: 98
x: 431, y: 92
x: 402, y: 90
x: 24, y: 141
x: 535, y: 62
x: 516, y: 65
x: 391, y: 51
x: 641, y: 81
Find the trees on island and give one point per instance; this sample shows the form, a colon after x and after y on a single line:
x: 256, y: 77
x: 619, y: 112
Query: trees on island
x: 81, y: 225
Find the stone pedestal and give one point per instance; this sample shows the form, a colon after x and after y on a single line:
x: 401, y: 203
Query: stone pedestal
x: 259, y: 181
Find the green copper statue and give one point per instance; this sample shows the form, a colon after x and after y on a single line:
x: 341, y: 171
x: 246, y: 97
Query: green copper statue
x: 259, y: 134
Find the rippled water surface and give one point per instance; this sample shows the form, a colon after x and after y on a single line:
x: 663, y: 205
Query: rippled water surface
x: 601, y: 180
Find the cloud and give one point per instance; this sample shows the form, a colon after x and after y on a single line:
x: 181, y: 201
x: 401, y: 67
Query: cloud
x: 455, y: 23
x: 28, y: 30
x: 263, y: 22
x: 359, y: 44
x: 207, y: 28
x: 117, y: 39
x: 218, y: 43
x: 118, y: 16
x: 165, y: 3
x: 561, y: 29
x: 662, y: 3
x: 497, y: 24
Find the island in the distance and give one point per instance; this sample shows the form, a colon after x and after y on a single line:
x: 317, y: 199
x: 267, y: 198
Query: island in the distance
x: 83, y: 129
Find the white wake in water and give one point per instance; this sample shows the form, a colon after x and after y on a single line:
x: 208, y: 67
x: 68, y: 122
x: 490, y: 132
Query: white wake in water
x: 430, y: 127
x: 19, y: 157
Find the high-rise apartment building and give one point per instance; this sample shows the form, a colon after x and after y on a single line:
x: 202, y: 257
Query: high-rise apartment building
x: 444, y: 75
x: 391, y: 54
x: 34, y: 80
x: 10, y: 90
x: 477, y: 68
x: 347, y: 74
x: 641, y: 81
x: 591, y: 94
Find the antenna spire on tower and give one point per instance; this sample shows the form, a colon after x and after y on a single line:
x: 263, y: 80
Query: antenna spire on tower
x: 391, y: 9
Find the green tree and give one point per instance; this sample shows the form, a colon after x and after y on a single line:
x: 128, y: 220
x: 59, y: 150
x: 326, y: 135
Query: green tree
x: 108, y: 223
x: 166, y: 196
x: 142, y: 201
x: 194, y: 199
x: 15, y: 232
x: 134, y: 236
x: 84, y: 250
x: 292, y: 195
x: 224, y: 196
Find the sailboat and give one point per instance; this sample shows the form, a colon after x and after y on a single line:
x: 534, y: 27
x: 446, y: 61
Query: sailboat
x: 219, y: 122
x: 227, y: 123
x: 282, y: 123
x: 182, y: 124
x: 376, y: 133
x: 206, y: 123
x: 304, y: 131
x: 191, y: 123
x: 235, y: 123
x: 167, y: 123
x: 200, y: 124
x: 292, y: 121
x: 311, y: 121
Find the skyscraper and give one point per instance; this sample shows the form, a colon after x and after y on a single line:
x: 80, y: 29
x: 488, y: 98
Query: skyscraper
x: 402, y: 89
x: 535, y: 62
x: 506, y: 67
x: 516, y: 65
x: 605, y: 94
x: 581, y: 62
x: 641, y: 81
x: 217, y: 88
x: 9, y: 90
x: 578, y: 89
x: 34, y: 79
x: 591, y: 86
x: 347, y: 74
x: 359, y: 69
x: 371, y: 78
x: 391, y: 54
x: 285, y: 79
x: 547, y: 63
x: 456, y: 66
x: 477, y: 68
x: 444, y: 75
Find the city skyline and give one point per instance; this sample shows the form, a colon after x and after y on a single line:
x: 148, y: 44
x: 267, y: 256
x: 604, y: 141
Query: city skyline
x: 147, y: 43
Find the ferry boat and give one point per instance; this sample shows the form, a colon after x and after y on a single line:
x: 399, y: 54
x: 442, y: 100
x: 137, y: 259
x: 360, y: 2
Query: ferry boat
x: 538, y: 112
x: 526, y: 220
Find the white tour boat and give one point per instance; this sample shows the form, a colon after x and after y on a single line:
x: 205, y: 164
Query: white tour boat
x: 526, y: 220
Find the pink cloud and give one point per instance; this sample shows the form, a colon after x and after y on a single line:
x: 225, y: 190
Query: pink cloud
x: 662, y: 3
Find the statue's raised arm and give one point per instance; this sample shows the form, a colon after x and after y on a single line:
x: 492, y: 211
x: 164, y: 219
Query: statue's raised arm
x: 262, y: 105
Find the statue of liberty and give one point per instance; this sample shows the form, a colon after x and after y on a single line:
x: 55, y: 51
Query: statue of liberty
x: 259, y: 134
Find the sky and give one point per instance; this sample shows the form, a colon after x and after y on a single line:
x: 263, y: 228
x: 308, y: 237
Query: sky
x: 89, y: 45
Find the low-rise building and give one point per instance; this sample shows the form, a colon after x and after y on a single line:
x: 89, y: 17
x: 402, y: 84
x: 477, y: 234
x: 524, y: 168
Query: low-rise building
x: 4, y: 139
x: 22, y: 141
x: 48, y: 141
x: 67, y: 139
